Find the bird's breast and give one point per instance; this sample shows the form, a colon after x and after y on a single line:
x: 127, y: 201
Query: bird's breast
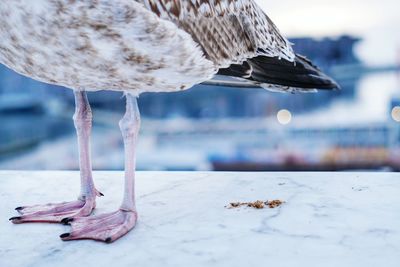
x: 99, y: 45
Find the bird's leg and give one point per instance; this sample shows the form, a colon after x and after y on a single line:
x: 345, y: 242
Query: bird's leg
x: 83, y: 125
x: 111, y: 226
x: 86, y: 201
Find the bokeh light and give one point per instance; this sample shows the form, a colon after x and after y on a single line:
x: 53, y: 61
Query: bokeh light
x: 284, y: 117
x: 396, y: 113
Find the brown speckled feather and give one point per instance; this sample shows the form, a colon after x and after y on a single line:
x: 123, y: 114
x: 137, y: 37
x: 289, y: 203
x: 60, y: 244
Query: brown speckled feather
x: 99, y: 45
x: 229, y: 31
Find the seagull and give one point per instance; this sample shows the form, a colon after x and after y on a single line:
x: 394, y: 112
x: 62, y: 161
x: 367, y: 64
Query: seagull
x: 136, y: 46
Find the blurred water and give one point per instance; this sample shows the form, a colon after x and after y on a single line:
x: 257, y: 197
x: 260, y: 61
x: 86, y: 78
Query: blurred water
x: 368, y: 102
x: 22, y: 133
x: 46, y: 142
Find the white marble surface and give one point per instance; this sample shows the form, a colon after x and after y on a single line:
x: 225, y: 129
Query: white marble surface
x: 329, y: 219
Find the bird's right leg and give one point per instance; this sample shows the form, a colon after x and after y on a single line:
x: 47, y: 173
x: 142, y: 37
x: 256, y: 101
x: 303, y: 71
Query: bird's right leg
x: 86, y: 201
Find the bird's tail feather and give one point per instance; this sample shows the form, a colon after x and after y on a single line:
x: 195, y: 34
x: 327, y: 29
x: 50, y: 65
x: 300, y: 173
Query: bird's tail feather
x: 299, y: 75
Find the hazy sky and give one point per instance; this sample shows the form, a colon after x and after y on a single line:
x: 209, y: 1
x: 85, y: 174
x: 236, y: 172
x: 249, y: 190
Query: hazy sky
x: 377, y: 21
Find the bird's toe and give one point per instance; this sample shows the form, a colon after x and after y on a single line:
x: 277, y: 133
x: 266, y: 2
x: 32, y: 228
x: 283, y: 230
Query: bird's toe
x: 65, y: 235
x: 15, y: 219
x: 67, y: 221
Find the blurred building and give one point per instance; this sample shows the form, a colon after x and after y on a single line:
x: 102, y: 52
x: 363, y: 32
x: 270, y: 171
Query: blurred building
x: 328, y: 52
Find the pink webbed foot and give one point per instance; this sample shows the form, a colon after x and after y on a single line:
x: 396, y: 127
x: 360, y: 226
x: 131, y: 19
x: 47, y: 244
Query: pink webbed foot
x: 54, y: 213
x: 105, y: 227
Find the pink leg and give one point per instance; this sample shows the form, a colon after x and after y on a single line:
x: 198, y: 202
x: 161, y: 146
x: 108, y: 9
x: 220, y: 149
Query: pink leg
x: 111, y: 226
x: 86, y: 201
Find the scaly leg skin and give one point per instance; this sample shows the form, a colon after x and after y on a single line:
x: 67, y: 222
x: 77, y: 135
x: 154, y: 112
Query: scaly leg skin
x: 86, y: 203
x: 111, y: 226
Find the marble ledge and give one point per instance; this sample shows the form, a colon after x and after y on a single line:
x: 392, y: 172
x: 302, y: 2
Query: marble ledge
x: 329, y: 219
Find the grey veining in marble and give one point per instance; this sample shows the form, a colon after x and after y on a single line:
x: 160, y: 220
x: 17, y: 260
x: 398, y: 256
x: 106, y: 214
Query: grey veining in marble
x: 329, y: 219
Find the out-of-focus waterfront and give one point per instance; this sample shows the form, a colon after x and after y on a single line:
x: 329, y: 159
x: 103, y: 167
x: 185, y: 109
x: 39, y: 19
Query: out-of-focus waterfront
x: 216, y: 127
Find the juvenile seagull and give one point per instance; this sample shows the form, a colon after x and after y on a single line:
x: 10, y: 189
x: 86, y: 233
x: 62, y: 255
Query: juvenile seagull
x: 136, y: 46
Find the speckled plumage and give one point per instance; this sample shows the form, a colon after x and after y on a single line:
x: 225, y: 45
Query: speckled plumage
x: 133, y: 45
x: 99, y: 45
x: 229, y: 31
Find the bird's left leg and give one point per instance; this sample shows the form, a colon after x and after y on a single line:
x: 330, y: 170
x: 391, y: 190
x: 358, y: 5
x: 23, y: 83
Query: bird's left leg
x: 109, y: 227
x: 56, y: 212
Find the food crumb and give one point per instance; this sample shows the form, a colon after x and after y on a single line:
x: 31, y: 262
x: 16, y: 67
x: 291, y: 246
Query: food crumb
x: 275, y: 203
x: 259, y: 204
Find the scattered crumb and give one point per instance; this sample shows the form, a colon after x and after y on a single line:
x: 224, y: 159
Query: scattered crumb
x: 274, y: 203
x: 259, y: 204
x: 236, y: 205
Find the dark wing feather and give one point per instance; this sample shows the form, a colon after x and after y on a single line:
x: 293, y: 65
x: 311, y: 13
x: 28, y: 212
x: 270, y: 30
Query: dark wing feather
x: 267, y: 71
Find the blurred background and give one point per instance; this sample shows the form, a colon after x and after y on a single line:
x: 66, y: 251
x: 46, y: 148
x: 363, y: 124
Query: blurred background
x: 221, y: 128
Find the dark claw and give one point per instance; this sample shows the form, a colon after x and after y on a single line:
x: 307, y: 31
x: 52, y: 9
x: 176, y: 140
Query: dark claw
x: 108, y: 240
x: 15, y: 218
x: 67, y: 220
x: 19, y: 208
x: 65, y: 235
x: 101, y: 194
